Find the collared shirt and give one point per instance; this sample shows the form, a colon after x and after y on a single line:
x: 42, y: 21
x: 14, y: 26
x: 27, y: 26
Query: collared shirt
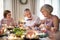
x: 34, y: 20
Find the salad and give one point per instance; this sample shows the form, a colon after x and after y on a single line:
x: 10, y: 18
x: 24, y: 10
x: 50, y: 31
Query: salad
x: 18, y: 32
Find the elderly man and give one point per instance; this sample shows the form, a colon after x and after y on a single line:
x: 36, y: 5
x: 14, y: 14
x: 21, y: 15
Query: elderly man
x: 30, y: 19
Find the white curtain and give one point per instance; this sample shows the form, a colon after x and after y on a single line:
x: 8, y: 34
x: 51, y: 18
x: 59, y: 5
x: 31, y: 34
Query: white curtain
x: 15, y: 9
x: 1, y: 9
x: 54, y: 3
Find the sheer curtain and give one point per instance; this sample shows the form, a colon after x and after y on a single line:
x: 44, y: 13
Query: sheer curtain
x: 54, y: 3
x: 1, y: 9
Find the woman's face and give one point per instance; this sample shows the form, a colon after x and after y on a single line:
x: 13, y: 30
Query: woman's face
x: 45, y: 13
x: 8, y: 15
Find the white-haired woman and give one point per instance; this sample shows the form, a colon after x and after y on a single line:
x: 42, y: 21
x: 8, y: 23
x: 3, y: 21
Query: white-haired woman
x: 51, y: 20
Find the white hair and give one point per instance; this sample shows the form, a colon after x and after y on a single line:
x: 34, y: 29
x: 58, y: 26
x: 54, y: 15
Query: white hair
x: 47, y: 7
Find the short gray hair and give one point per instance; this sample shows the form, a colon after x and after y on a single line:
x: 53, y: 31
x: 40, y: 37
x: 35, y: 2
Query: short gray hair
x: 48, y: 8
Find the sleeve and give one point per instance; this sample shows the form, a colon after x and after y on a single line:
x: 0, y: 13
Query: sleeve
x: 13, y: 22
x: 37, y: 21
x: 1, y: 22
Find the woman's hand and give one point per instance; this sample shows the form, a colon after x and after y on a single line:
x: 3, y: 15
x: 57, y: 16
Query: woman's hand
x: 48, y: 27
x: 53, y: 29
x: 2, y: 30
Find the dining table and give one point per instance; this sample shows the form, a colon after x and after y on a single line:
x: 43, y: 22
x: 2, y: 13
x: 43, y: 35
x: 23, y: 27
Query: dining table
x: 7, y: 38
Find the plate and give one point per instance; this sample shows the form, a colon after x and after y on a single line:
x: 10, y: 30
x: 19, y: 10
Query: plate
x: 31, y: 39
x: 43, y: 35
x: 3, y: 35
x: 14, y: 38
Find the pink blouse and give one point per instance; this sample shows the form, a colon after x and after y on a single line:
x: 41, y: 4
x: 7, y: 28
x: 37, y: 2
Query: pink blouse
x: 8, y: 22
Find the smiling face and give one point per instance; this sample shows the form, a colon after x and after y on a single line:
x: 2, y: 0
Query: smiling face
x: 27, y: 14
x: 8, y: 15
x: 45, y: 12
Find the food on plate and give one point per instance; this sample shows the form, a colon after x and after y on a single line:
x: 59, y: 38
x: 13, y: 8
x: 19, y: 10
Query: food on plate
x: 18, y: 32
x: 31, y: 34
x: 12, y: 37
x: 43, y: 30
x: 43, y: 27
x: 42, y: 35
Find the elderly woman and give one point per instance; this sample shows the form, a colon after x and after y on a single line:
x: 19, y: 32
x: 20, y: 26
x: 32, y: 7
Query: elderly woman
x: 51, y: 21
x: 7, y: 19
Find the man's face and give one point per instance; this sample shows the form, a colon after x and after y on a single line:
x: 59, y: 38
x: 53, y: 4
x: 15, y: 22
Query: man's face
x: 27, y: 14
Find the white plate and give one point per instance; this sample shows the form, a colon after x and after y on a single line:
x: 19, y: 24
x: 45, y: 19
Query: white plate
x: 14, y: 38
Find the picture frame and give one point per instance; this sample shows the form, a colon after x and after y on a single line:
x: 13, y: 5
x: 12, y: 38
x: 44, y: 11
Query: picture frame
x: 23, y: 1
